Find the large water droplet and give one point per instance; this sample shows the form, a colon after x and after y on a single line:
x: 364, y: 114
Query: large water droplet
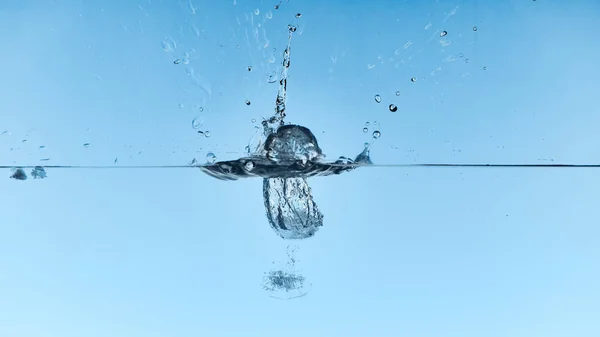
x: 393, y: 108
x: 376, y: 134
x: 256, y: 11
x: 86, y: 145
x: 377, y: 98
x: 211, y: 158
x: 38, y: 173
x: 177, y: 61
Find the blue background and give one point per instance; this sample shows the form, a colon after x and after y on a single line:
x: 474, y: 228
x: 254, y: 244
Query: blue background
x: 403, y: 251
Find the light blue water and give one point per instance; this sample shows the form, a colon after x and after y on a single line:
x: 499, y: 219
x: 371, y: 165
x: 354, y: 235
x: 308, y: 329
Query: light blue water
x: 402, y: 250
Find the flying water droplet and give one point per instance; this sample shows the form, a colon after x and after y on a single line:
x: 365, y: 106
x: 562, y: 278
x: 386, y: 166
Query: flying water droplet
x: 393, y: 108
x: 443, y: 33
x: 200, y: 109
x: 269, y: 15
x: 271, y: 59
x: 376, y: 134
x: 484, y: 68
x: 168, y: 44
x: 377, y: 98
x: 365, y: 129
x: 298, y: 15
x: 196, y: 123
x: 86, y: 145
x: 207, y: 134
x: 248, y: 102
x: 413, y: 79
x: 211, y: 158
x: 177, y: 61
x: 397, y: 93
x: 253, y: 120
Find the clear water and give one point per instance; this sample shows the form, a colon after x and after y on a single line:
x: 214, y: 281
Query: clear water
x: 470, y: 209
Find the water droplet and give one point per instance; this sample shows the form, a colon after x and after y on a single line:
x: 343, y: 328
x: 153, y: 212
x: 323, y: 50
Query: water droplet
x: 249, y: 68
x: 292, y: 28
x: 269, y: 15
x: 253, y: 120
x: 200, y: 109
x: 271, y: 59
x: 86, y: 145
x: 367, y: 123
x: 443, y: 33
x: 196, y: 123
x: 116, y: 160
x: 413, y: 79
x: 272, y: 78
x: 248, y: 102
x: 367, y: 144
x: 397, y: 93
x: 484, y: 68
x: 249, y: 166
x: 256, y: 11
x: 298, y: 15
x: 177, y: 61
x: 474, y: 28
x: 466, y: 60
x: 207, y: 134
x: 376, y: 134
x: 377, y: 98
x: 365, y: 129
x: 393, y: 108
x: 211, y: 158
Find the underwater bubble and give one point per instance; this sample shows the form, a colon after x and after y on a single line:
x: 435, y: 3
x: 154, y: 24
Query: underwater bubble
x: 38, y: 173
x: 393, y: 108
x: 367, y: 123
x: 269, y: 15
x: 377, y: 98
x: 249, y: 166
x: 397, y: 93
x: 18, y: 174
x: 196, y: 123
x: 376, y: 134
x: 248, y: 102
x: 365, y: 130
x: 443, y: 33
x: 211, y: 158
x: 413, y: 79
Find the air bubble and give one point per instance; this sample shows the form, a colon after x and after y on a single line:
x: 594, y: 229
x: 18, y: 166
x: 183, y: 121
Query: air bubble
x: 376, y: 134
x: 249, y: 68
x: 253, y: 120
x: 256, y: 11
x: 443, y: 33
x: 377, y: 98
x: 393, y: 108
x: 292, y: 28
x: 211, y: 158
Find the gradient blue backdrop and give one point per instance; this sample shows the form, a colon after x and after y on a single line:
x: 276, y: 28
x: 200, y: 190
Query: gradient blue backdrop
x: 415, y: 252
